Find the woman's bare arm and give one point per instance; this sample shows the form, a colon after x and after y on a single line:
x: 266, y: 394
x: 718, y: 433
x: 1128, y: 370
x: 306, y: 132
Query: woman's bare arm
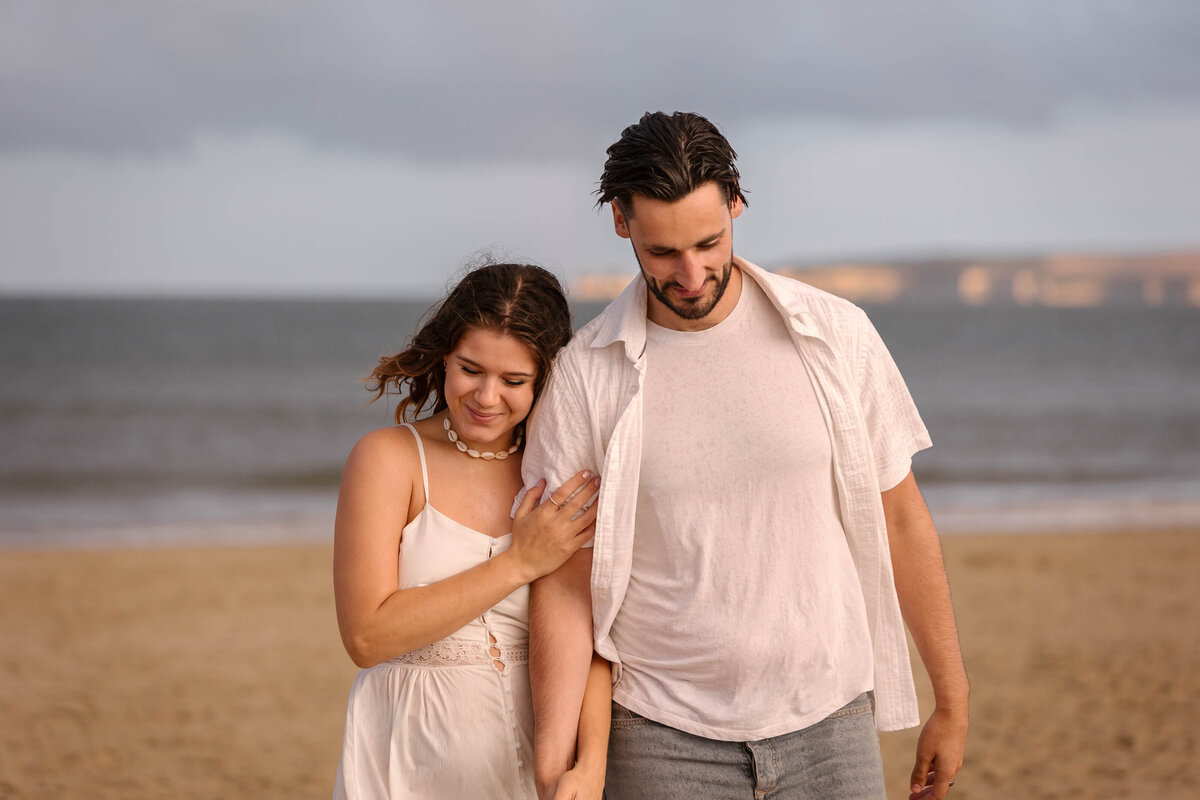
x: 379, y: 621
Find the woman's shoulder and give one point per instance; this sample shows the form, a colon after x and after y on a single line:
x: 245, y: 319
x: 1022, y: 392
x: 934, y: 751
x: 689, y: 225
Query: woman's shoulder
x: 391, y: 449
x: 380, y: 484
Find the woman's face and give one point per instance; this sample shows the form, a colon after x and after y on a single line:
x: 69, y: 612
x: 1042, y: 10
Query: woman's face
x: 489, y: 387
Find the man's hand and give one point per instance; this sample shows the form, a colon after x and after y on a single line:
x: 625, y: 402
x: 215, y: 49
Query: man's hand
x: 939, y: 754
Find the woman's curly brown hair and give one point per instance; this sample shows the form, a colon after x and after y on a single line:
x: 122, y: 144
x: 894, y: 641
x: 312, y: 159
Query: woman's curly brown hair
x: 523, y: 300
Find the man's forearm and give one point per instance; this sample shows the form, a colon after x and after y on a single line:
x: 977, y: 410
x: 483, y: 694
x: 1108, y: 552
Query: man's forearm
x: 924, y: 591
x: 924, y: 594
x: 560, y: 643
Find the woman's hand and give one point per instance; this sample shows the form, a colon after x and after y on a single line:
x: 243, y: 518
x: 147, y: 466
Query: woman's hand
x: 579, y: 784
x: 544, y: 536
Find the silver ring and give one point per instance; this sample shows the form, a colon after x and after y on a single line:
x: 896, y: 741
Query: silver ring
x: 952, y: 781
x: 551, y: 499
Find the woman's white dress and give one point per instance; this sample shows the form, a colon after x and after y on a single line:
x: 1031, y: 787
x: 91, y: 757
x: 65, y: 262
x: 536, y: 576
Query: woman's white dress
x: 444, y: 721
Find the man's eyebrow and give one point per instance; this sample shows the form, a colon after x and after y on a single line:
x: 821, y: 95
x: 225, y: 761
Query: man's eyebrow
x: 479, y: 366
x: 706, y: 240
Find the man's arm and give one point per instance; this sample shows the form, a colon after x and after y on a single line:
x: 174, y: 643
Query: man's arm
x: 560, y: 654
x: 924, y: 594
x: 560, y: 611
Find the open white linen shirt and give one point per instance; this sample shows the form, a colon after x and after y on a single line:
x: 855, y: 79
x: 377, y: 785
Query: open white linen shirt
x: 589, y: 415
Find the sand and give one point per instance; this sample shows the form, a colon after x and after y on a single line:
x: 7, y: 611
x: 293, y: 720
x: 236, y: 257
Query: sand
x: 217, y: 672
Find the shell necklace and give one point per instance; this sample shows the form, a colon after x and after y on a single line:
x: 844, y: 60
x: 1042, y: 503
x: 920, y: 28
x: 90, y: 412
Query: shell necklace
x: 487, y: 456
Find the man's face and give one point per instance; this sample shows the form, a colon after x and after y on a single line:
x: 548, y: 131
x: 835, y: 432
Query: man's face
x: 685, y: 251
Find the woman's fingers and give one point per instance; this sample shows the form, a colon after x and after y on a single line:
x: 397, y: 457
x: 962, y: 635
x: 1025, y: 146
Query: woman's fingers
x: 587, y: 533
x: 583, y: 496
x: 586, y: 519
x: 580, y: 511
x: 530, y: 500
x: 563, y: 494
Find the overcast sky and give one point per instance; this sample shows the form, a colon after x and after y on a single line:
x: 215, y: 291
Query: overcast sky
x: 298, y: 147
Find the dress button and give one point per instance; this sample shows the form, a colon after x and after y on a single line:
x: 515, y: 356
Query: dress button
x: 520, y: 763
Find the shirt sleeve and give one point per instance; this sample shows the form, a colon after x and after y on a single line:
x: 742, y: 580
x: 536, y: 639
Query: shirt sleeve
x: 893, y: 423
x: 558, y: 434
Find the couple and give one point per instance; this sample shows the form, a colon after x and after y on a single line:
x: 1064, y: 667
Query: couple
x: 737, y: 629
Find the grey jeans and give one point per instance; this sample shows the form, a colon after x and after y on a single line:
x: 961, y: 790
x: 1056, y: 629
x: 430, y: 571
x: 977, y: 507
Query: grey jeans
x: 835, y: 759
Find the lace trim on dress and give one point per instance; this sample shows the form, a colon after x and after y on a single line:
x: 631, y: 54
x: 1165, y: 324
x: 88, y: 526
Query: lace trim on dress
x: 457, y: 653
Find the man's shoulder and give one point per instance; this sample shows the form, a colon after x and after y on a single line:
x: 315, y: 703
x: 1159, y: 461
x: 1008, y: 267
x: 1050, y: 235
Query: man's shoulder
x: 587, y: 335
x: 824, y: 309
x: 581, y: 363
x: 602, y: 340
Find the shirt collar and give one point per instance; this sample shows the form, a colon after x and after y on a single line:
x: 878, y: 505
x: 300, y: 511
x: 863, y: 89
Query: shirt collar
x: 792, y: 298
x: 625, y: 319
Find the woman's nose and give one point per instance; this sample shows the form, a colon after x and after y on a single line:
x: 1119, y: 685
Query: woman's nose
x: 488, y: 392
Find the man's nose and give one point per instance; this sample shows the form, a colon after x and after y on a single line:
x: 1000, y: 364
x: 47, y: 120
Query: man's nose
x: 690, y: 274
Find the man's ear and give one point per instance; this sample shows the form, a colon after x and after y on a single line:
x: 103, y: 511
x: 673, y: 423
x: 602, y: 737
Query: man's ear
x: 735, y: 207
x: 620, y: 224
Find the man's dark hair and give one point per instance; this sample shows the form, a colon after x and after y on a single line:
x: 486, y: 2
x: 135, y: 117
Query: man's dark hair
x: 667, y: 157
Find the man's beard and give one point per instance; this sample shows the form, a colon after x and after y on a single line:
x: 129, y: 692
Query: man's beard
x: 694, y: 308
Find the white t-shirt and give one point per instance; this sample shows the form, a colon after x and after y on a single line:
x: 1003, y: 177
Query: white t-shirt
x: 590, y: 415
x: 743, y: 599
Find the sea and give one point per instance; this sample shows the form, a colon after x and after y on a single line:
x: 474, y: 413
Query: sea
x: 161, y: 419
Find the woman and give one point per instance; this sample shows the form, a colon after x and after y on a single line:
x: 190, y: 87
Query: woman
x: 430, y: 572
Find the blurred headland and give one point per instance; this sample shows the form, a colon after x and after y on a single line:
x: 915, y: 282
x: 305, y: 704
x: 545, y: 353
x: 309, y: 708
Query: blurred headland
x: 1058, y: 280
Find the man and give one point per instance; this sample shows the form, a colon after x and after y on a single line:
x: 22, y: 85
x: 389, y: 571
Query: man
x: 759, y: 533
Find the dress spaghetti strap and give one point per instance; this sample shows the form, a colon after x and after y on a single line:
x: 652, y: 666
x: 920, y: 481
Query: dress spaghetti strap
x: 421, y: 453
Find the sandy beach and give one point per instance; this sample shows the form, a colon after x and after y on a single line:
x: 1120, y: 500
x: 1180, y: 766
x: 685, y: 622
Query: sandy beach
x: 217, y: 671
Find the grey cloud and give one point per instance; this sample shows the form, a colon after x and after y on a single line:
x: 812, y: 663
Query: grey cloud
x: 476, y: 80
